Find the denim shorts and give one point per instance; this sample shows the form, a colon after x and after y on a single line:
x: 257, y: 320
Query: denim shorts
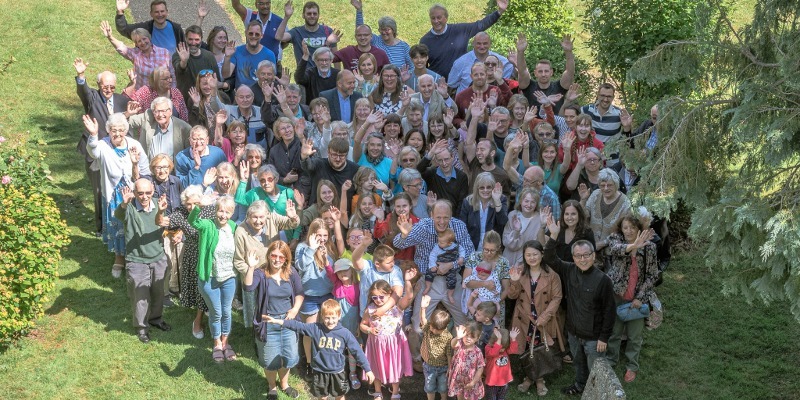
x: 435, y: 378
x: 311, y: 304
x: 280, y: 350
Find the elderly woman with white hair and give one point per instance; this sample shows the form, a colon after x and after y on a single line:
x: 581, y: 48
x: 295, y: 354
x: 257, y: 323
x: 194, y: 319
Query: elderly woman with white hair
x: 145, y: 57
x: 276, y: 196
x: 261, y: 227
x: 412, y: 183
x: 254, y: 157
x: 605, y: 207
x: 121, y: 161
x: 161, y: 86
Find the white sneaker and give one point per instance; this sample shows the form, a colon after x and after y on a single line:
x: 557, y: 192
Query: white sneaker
x: 116, y: 271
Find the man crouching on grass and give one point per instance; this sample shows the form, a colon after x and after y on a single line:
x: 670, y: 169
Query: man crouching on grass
x: 330, y: 340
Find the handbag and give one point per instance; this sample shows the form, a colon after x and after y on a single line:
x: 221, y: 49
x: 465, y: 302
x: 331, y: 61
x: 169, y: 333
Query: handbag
x: 627, y: 313
x: 540, y: 360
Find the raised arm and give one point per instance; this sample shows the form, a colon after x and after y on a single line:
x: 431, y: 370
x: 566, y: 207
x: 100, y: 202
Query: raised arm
x: 358, y: 262
x: 523, y: 74
x: 121, y: 48
x: 227, y: 66
x: 240, y: 9
x: 569, y: 71
x: 476, y: 109
x: 280, y: 33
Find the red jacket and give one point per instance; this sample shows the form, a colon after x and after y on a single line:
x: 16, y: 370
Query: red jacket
x: 590, y: 141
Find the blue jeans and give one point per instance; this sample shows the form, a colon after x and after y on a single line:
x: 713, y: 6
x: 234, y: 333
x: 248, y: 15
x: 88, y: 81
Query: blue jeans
x: 435, y: 378
x: 218, y: 297
x: 584, y: 352
x: 280, y: 350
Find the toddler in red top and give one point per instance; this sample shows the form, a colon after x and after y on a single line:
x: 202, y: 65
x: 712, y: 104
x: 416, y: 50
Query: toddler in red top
x: 498, y: 366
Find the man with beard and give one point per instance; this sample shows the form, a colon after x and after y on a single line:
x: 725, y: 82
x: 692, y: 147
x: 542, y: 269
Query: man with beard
x: 342, y: 100
x: 286, y: 104
x: 480, y: 158
x: 608, y: 120
x: 349, y: 55
x: 268, y: 82
x: 166, y: 34
x: 190, y: 59
x: 488, y: 93
x: 269, y: 22
x: 100, y: 104
x: 423, y: 236
x: 318, y: 76
x: 311, y: 33
x: 246, y: 57
x: 159, y: 131
x: 544, y: 75
x: 335, y: 167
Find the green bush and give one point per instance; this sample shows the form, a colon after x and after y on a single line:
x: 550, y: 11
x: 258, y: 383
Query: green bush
x: 31, y: 239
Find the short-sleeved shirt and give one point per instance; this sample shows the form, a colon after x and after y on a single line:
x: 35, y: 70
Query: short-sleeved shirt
x: 349, y: 57
x: 370, y: 275
x: 554, y: 88
x: 435, y: 349
x: 247, y: 64
x: 314, y: 40
x: 165, y: 37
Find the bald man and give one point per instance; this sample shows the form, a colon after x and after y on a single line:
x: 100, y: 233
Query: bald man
x: 145, y: 261
x: 533, y: 177
x: 342, y: 100
x: 99, y: 103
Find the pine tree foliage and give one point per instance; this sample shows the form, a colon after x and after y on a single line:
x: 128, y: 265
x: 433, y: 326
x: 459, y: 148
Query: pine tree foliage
x: 729, y: 144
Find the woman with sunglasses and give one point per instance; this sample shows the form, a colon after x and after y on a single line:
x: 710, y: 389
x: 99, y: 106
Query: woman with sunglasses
x: 586, y: 174
x: 276, y: 196
x: 278, y: 293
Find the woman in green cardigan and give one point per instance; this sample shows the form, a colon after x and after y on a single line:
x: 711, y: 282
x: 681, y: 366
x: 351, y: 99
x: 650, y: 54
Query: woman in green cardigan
x: 216, y: 277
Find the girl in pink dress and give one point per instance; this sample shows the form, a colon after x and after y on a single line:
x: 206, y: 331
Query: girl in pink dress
x: 498, y: 366
x: 467, y: 366
x: 387, y: 347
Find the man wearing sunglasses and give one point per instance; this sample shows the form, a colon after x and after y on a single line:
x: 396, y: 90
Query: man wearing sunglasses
x: 190, y: 61
x: 244, y: 59
x: 269, y: 22
x: 99, y: 103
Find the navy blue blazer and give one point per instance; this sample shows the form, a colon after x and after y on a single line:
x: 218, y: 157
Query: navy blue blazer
x: 495, y: 220
x: 332, y: 96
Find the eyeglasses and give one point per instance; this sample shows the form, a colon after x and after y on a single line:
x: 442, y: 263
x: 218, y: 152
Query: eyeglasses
x: 592, y: 160
x: 150, y: 193
x: 108, y: 87
x: 322, y: 60
x: 164, y: 111
x: 354, y: 237
x: 493, y: 64
x: 254, y: 34
x: 532, y: 182
x: 206, y: 72
x: 161, y: 167
x: 408, y: 160
x: 376, y: 298
x: 277, y: 257
x: 490, y: 251
x: 198, y: 140
x: 270, y: 179
x: 332, y: 154
x: 584, y: 256
x: 390, y: 76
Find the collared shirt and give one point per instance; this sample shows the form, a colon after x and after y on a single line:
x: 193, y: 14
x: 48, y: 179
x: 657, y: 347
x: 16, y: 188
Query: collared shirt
x: 162, y: 141
x: 459, y: 77
x: 144, y: 64
x: 423, y: 235
x: 448, y: 177
x: 344, y: 107
x: 327, y: 75
x: 653, y: 140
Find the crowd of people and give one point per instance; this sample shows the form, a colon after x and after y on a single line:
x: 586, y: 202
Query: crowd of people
x: 400, y: 207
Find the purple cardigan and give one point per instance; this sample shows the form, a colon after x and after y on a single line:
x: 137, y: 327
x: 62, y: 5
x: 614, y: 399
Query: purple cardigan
x: 261, y: 286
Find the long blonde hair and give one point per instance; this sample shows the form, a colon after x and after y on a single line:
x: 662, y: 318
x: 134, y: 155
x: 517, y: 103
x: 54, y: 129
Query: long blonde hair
x: 484, y: 178
x: 315, y: 226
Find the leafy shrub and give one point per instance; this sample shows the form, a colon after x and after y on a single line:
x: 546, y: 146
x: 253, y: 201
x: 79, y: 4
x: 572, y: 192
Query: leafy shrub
x: 31, y: 239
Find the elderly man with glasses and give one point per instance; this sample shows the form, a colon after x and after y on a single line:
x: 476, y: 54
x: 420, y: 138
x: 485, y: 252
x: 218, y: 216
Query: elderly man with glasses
x: 192, y: 162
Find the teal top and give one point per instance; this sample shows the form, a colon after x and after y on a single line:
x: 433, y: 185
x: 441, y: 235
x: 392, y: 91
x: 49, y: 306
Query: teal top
x: 245, y: 198
x: 208, y: 237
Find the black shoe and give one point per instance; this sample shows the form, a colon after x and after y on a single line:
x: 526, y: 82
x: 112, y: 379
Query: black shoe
x: 168, y: 302
x: 143, y: 337
x: 571, y: 390
x: 162, y: 325
x: 291, y: 392
x: 272, y: 396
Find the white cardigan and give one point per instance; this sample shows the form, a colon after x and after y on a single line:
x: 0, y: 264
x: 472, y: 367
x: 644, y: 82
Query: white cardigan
x: 113, y: 167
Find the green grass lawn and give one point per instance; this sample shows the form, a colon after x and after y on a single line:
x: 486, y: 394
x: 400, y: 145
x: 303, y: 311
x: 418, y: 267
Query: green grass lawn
x: 710, y: 347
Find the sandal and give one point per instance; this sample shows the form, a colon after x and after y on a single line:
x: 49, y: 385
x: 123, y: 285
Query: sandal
x: 630, y: 376
x: 355, y: 383
x: 567, y: 359
x: 228, y: 352
x: 571, y: 390
x: 396, y: 396
x: 542, y: 391
x: 217, y: 355
x: 524, y: 386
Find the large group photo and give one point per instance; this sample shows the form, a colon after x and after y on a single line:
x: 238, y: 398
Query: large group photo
x: 350, y: 199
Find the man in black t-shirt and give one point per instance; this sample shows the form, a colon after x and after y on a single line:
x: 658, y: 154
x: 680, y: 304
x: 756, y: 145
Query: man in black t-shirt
x: 544, y: 73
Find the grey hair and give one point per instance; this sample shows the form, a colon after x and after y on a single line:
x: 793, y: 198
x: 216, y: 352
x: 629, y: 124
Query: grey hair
x: 257, y: 206
x: 191, y: 191
x: 293, y: 87
x: 388, y: 22
x: 266, y: 63
x: 114, y: 76
x: 141, y: 32
x: 339, y: 125
x: 320, y: 51
x: 608, y: 175
x: 407, y: 175
x: 268, y: 169
x: 117, y: 119
x: 254, y: 147
x: 501, y: 110
x: 160, y: 100
x: 426, y: 76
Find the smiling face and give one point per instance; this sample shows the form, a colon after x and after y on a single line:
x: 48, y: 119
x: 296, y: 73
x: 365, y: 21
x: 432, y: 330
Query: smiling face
x: 402, y: 207
x: 533, y: 257
x: 389, y: 78
x: 159, y: 14
x: 543, y: 74
x: 549, y: 154
x: 363, y: 36
x: 346, y: 82
x: 199, y: 140
x: 414, y: 188
x: 481, y: 44
x: 107, y: 84
x: 193, y: 40
x: 408, y: 160
x: 143, y: 190
x: 478, y: 76
x: 354, y: 238
x: 415, y: 140
x: 445, y: 162
x: 253, y: 37
x: 161, y: 170
x: 366, y: 205
x: 420, y: 62
x: 607, y: 188
x: 605, y: 96
x: 485, y: 191
x: 363, y: 111
x: 330, y: 319
x: 322, y: 236
x: 207, y: 85
x: 571, y: 217
x: 326, y: 194
x: 311, y: 16
x: 593, y: 163
x: 263, y: 6
x: 528, y: 204
x: 266, y: 75
x: 163, y: 113
x: 583, y: 129
x: 257, y: 220
x: 253, y: 160
x: 425, y: 86
x: 286, y: 132
x: 387, y: 34
x: 441, y: 217
x: 436, y: 128
x: 544, y: 132
x: 392, y: 130
x: 519, y: 111
x: 143, y: 43
x: 438, y: 20
x: 237, y: 135
x: 629, y: 231
x: 415, y: 118
x: 244, y: 97
x: 220, y: 40
x: 570, y: 116
x: 483, y: 151
x: 223, y: 214
x: 224, y: 181
x: 583, y: 257
x: 117, y: 135
x: 374, y: 147
x: 276, y: 260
